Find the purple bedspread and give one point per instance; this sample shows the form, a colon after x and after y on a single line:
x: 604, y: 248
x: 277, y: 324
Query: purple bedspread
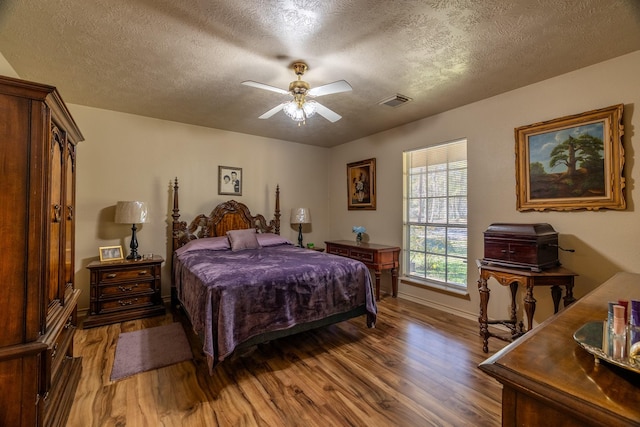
x: 233, y: 296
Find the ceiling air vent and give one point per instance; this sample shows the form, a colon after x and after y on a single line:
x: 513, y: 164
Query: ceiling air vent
x: 395, y: 100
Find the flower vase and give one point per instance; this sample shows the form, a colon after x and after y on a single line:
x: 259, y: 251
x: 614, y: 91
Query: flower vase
x: 358, y: 238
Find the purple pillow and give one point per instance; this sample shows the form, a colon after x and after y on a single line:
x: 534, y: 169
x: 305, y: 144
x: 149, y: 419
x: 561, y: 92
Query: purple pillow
x: 243, y: 239
x: 271, y: 239
x: 206, y: 243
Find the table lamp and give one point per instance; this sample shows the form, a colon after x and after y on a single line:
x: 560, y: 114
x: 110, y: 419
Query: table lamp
x: 132, y: 213
x: 300, y: 216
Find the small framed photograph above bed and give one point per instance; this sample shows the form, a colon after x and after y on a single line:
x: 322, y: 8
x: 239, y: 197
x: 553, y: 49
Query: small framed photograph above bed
x: 230, y: 180
x: 361, y: 185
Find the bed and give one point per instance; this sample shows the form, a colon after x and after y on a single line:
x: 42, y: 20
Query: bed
x: 240, y: 283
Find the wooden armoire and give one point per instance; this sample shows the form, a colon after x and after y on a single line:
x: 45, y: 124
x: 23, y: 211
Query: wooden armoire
x: 38, y: 303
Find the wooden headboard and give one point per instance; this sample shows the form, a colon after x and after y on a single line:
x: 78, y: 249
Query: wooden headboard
x: 230, y: 215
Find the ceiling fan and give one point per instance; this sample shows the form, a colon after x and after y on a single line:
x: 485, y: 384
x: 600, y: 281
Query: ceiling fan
x: 300, y: 108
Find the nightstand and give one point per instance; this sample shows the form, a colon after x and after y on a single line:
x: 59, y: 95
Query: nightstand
x: 124, y: 290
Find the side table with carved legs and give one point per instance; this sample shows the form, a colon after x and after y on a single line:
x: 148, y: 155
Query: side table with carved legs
x: 512, y: 277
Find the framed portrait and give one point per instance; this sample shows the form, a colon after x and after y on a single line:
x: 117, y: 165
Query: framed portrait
x: 570, y: 163
x: 230, y: 180
x: 361, y: 185
x: 110, y: 253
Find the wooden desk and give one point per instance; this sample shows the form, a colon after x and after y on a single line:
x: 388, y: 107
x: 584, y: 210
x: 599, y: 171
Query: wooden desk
x: 548, y: 379
x: 376, y: 257
x: 554, y: 277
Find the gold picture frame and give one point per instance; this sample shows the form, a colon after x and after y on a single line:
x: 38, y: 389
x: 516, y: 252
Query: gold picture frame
x: 110, y: 253
x: 570, y: 163
x: 361, y: 185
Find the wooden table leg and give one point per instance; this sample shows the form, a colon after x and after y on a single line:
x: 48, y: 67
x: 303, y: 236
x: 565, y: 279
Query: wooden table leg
x: 483, y: 320
x: 394, y: 282
x: 377, y: 273
x: 568, y: 298
x: 529, y: 304
x: 556, y: 293
x: 514, y: 291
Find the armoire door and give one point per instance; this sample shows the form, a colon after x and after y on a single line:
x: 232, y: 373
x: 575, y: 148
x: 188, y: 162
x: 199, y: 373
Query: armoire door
x: 69, y: 221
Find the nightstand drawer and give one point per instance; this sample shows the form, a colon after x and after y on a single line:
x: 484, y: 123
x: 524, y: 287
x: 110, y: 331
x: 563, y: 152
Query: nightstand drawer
x: 110, y: 276
x: 125, y: 289
x: 121, y: 304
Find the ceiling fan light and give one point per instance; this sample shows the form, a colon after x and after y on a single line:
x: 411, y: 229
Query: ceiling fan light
x: 297, y: 113
x: 309, y: 108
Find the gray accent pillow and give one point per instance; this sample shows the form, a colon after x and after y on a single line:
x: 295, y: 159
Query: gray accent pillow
x: 243, y: 239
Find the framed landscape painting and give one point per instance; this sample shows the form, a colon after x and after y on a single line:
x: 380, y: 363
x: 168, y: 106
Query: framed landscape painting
x: 571, y: 163
x: 361, y: 185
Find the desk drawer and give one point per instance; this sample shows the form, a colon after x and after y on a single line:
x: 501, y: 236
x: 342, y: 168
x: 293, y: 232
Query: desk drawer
x: 339, y: 251
x: 362, y: 255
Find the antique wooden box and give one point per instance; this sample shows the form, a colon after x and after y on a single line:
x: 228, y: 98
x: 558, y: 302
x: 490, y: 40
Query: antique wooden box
x: 533, y: 246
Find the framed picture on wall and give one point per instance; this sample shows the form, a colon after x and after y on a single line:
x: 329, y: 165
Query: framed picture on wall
x: 230, y: 180
x: 570, y: 163
x: 110, y: 253
x: 361, y: 185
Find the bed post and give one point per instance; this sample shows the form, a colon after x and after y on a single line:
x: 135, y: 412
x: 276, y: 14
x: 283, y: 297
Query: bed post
x: 174, y: 240
x: 175, y: 215
x: 277, y: 212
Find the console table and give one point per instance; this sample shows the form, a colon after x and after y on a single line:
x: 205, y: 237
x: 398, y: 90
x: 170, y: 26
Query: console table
x: 548, y: 379
x: 377, y: 257
x: 554, y: 277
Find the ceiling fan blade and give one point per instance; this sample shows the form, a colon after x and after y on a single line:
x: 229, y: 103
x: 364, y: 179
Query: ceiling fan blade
x: 330, y: 88
x: 272, y: 111
x: 265, y: 87
x: 328, y: 114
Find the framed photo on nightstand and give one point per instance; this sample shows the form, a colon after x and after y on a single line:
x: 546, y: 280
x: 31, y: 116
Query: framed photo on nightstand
x: 111, y: 253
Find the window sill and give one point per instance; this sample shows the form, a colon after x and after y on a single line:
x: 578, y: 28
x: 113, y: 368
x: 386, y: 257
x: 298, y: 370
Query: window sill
x: 437, y: 287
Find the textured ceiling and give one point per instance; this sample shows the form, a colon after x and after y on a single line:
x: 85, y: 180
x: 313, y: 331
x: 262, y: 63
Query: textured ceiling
x: 184, y: 60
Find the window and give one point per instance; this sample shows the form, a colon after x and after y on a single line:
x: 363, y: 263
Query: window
x: 435, y: 222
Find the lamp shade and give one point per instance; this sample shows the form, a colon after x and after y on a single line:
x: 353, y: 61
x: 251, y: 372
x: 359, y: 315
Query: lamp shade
x: 300, y: 216
x: 131, y: 213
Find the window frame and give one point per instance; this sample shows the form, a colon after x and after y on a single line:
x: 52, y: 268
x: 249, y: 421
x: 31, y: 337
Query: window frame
x: 448, y: 226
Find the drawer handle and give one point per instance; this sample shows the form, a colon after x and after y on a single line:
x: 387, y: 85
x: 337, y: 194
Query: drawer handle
x: 127, y: 289
x: 142, y: 273
x: 57, y: 213
x: 69, y: 323
x: 112, y: 276
x: 127, y: 302
x: 55, y: 351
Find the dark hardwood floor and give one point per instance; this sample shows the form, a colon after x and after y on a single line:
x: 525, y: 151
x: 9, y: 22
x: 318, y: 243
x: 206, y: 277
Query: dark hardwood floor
x: 418, y: 367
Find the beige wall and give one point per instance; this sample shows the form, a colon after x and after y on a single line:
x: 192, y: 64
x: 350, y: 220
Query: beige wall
x: 605, y: 241
x: 6, y: 69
